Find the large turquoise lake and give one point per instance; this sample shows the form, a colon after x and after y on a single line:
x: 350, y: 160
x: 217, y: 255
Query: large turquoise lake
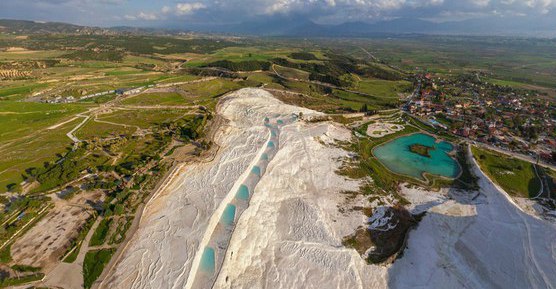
x: 397, y: 157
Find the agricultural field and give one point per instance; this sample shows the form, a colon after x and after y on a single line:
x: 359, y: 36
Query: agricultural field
x: 524, y: 63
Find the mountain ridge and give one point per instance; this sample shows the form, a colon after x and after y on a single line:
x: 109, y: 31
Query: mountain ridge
x: 295, y: 26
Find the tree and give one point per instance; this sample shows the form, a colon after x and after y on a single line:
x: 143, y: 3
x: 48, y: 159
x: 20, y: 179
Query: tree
x: 364, y: 108
x: 11, y: 187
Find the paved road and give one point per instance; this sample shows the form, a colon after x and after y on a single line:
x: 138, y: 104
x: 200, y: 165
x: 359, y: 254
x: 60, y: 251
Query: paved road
x: 513, y: 154
x: 70, y: 133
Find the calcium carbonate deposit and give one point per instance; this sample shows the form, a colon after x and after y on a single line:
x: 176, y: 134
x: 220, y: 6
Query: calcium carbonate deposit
x: 264, y: 213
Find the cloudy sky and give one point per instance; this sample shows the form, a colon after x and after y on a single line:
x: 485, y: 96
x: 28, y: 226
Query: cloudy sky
x: 161, y: 12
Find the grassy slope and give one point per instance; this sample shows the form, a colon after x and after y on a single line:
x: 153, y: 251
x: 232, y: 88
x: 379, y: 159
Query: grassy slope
x: 161, y: 98
x: 32, y: 151
x: 515, y: 176
x: 143, y: 118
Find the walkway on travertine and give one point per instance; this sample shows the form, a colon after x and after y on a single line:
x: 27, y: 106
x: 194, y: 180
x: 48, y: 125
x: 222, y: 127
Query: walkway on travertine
x: 218, y: 237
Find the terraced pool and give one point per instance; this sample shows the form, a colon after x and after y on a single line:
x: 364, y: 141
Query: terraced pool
x: 229, y: 215
x: 243, y: 193
x: 207, y: 260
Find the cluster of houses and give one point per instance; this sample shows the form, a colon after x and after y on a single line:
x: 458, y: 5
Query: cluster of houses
x: 506, y: 117
x: 60, y: 99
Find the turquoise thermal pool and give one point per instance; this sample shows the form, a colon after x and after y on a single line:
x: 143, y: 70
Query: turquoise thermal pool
x: 397, y: 157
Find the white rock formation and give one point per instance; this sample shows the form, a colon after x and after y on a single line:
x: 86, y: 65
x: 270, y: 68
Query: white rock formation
x: 290, y: 236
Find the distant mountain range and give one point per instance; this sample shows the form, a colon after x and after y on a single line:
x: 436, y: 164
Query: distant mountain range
x: 301, y: 27
x: 37, y: 27
x: 292, y: 26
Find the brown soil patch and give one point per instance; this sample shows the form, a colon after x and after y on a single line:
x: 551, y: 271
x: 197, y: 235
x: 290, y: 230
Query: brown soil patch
x: 45, y: 243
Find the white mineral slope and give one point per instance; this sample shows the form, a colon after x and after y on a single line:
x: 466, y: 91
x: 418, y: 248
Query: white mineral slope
x: 161, y: 252
x: 290, y: 236
x: 489, y: 243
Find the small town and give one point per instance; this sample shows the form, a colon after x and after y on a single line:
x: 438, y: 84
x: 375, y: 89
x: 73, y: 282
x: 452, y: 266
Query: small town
x: 517, y: 120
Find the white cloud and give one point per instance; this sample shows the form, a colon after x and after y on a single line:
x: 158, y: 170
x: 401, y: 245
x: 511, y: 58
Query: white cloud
x: 148, y: 16
x: 179, y: 10
x: 188, y: 8
x: 227, y: 11
x: 481, y: 3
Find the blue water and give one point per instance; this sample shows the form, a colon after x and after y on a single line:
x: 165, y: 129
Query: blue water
x: 264, y: 157
x: 243, y: 193
x: 256, y: 170
x: 397, y: 157
x: 229, y: 215
x: 207, y: 260
x: 271, y: 144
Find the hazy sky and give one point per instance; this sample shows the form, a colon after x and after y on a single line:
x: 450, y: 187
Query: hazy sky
x: 158, y: 13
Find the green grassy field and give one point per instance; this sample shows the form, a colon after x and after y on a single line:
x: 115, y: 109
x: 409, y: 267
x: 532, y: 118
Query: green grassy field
x: 292, y: 72
x: 384, y: 88
x: 30, y: 55
x: 237, y: 54
x: 515, y: 176
x: 162, y: 98
x: 178, y: 78
x: 31, y: 149
x: 20, y: 89
x: 125, y: 71
x: 144, y: 118
x: 261, y: 77
x: 93, y: 129
x: 94, y: 264
x: 100, y: 234
x: 19, y: 119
